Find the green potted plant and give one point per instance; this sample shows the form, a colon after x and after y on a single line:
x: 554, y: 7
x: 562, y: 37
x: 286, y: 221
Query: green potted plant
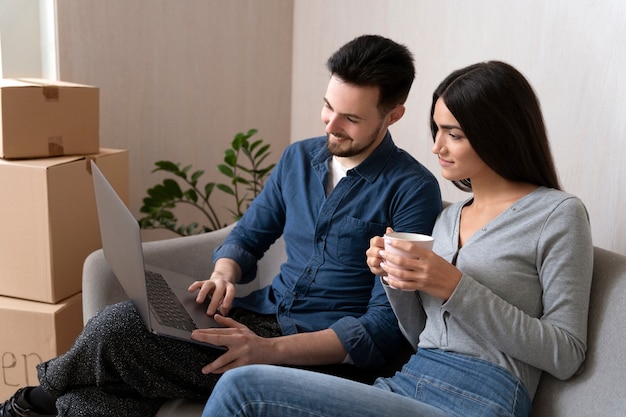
x: 243, y: 166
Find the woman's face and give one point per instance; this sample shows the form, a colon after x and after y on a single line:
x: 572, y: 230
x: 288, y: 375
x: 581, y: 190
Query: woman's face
x: 457, y: 158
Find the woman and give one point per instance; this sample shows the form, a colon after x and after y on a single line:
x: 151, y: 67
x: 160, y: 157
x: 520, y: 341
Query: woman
x: 503, y: 295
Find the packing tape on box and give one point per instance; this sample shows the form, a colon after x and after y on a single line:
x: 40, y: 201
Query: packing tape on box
x: 55, y: 146
x: 50, y: 92
x: 88, y: 159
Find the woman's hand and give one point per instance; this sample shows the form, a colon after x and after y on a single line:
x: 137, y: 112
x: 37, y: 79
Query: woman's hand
x: 373, y: 254
x: 421, y: 270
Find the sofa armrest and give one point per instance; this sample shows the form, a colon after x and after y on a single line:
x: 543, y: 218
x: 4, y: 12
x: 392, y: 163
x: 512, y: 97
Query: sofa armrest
x: 189, y: 255
x: 598, y: 389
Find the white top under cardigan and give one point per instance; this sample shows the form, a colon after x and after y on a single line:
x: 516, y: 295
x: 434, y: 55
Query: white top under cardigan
x: 523, y: 299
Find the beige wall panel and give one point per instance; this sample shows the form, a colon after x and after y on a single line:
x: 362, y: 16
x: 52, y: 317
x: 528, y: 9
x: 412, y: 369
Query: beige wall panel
x: 178, y: 79
x: 572, y: 51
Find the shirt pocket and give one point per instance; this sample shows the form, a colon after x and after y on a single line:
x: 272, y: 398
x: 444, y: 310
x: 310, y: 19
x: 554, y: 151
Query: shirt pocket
x: 354, y: 240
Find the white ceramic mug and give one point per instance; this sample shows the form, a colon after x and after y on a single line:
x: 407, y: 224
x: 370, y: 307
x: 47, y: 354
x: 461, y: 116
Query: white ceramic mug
x: 415, y: 238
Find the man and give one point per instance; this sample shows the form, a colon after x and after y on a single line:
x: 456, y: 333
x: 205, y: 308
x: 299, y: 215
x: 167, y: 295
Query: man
x: 328, y: 196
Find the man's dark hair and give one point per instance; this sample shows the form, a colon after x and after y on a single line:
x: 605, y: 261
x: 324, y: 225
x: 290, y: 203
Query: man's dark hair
x: 375, y: 61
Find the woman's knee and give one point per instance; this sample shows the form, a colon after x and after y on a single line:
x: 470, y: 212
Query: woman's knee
x: 249, y: 374
x: 121, y: 318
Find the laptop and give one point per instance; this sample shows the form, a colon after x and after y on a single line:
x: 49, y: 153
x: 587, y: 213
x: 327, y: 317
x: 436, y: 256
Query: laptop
x: 160, y: 296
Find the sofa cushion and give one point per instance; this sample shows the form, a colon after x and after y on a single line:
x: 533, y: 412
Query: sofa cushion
x: 598, y: 389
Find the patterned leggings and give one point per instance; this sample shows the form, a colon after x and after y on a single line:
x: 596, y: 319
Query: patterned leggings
x: 116, y: 367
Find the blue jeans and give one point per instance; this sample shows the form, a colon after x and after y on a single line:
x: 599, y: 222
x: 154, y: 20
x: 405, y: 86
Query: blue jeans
x: 432, y: 384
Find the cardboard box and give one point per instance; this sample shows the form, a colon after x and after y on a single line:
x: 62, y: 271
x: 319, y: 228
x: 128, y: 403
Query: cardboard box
x: 43, y: 118
x: 34, y: 332
x: 49, y: 222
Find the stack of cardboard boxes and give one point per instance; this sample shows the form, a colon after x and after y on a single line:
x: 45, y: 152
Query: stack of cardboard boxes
x: 49, y: 131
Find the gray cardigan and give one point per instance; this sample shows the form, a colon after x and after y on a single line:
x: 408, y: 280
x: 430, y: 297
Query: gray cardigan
x: 523, y: 299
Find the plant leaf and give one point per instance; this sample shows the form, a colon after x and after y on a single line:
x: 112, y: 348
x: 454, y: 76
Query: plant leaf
x: 242, y: 165
x: 225, y: 170
x: 191, y: 195
x: 159, y: 194
x: 230, y: 157
x: 172, y: 188
x: 261, y: 151
x: 225, y: 188
x: 240, y: 180
x: 208, y: 189
x: 166, y: 166
x: 254, y: 144
x: 195, y: 176
x: 239, y: 139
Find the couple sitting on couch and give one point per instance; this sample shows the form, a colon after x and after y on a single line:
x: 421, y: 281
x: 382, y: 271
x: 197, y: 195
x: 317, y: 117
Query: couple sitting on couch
x: 503, y: 293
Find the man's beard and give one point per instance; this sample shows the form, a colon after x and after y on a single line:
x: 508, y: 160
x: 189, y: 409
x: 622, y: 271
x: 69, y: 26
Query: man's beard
x: 337, y: 150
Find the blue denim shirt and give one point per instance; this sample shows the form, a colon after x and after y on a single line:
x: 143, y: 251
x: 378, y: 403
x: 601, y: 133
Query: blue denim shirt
x: 325, y: 282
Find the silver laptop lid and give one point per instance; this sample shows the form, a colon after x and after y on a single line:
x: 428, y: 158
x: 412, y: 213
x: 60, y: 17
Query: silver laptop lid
x: 121, y: 242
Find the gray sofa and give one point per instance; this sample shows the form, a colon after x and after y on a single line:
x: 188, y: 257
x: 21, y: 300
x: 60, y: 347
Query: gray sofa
x: 596, y: 391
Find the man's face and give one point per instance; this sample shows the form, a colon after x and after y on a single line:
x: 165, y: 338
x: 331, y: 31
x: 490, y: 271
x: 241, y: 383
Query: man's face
x: 354, y: 125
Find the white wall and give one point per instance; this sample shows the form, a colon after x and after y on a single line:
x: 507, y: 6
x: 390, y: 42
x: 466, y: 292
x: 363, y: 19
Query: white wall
x: 20, y: 39
x: 572, y: 51
x: 178, y: 79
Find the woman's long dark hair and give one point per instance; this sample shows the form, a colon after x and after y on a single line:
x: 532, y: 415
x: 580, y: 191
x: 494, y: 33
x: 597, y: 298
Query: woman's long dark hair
x: 501, y: 117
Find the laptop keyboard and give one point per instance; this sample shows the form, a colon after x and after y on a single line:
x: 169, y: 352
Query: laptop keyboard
x: 164, y: 304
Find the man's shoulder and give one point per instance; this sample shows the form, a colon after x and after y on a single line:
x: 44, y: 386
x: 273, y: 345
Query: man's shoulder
x: 406, y: 163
